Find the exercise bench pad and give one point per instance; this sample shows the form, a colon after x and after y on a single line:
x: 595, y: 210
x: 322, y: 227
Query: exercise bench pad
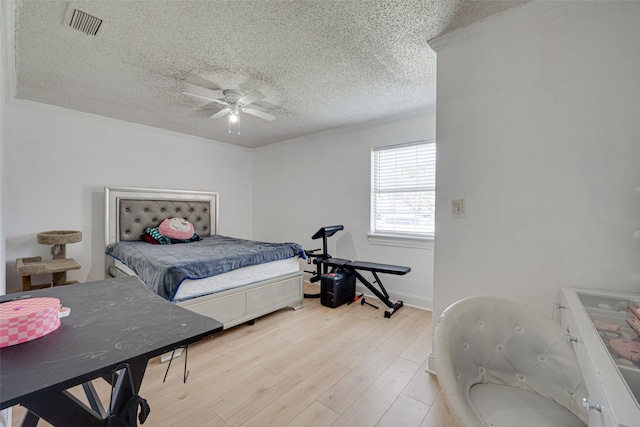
x: 336, y: 262
x: 379, y: 268
x: 367, y: 266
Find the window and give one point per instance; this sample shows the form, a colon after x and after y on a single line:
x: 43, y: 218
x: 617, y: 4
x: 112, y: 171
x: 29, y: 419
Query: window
x: 403, y: 190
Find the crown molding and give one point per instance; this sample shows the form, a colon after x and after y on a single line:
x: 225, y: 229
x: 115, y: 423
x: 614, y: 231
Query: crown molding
x: 500, y: 23
x: 396, y: 118
x: 39, y: 107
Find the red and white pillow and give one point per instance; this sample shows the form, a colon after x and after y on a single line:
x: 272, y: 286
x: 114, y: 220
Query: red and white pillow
x: 176, y: 228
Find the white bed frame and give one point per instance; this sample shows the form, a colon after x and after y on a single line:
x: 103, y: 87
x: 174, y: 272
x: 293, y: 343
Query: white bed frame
x: 230, y: 307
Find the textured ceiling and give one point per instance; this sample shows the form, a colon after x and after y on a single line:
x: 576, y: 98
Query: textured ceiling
x: 321, y: 64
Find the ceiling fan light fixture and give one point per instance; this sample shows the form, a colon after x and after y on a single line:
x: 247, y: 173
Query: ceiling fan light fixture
x: 236, y: 102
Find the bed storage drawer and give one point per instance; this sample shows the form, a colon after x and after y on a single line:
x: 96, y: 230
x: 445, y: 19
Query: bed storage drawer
x: 242, y: 304
x: 223, y: 309
x: 269, y: 295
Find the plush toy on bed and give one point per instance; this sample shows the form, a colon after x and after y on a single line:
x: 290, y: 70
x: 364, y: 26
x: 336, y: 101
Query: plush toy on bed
x: 176, y: 228
x: 171, y: 230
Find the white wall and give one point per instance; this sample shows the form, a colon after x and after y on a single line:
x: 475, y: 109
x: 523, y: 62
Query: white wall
x: 538, y: 125
x: 324, y: 179
x: 58, y: 162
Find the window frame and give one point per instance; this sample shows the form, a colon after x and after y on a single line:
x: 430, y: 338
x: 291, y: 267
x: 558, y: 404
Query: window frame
x: 403, y: 239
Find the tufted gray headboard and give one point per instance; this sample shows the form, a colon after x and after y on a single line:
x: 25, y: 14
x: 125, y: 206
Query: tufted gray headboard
x: 129, y: 211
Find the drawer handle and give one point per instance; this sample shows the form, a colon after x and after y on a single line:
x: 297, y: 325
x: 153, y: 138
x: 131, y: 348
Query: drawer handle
x: 589, y: 405
x: 571, y: 339
x: 560, y: 306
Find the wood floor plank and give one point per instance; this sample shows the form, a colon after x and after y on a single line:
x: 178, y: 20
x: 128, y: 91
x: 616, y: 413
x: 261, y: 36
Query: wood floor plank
x: 439, y: 415
x: 322, y: 345
x: 211, y: 393
x: 342, y: 395
x: 256, y: 399
x: 371, y: 405
x: 292, y: 403
x: 405, y: 411
x: 423, y: 387
x: 419, y: 349
x: 368, y: 339
x: 315, y: 415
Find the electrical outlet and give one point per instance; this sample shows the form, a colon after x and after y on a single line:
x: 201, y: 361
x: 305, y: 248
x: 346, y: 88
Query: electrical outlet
x: 457, y: 208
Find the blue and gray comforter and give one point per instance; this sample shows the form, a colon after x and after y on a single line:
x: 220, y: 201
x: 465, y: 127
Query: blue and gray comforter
x: 164, y: 267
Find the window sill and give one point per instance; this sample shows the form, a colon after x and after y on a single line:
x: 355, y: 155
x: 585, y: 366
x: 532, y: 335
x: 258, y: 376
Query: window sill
x: 401, y: 241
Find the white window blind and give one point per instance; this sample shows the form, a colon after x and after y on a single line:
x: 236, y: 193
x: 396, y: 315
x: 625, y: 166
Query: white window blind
x: 403, y: 189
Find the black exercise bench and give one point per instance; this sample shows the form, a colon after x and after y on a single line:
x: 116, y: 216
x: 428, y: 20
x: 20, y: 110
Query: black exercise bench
x: 353, y: 267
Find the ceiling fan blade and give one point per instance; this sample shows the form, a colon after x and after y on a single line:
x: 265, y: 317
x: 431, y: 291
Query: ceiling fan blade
x: 205, y: 98
x: 251, y: 97
x: 220, y: 113
x: 259, y: 113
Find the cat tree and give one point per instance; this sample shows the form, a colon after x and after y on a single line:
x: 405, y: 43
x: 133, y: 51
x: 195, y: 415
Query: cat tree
x: 57, y: 267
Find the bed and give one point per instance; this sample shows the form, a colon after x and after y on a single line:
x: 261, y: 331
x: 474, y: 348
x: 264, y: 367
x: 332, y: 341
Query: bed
x: 238, y: 294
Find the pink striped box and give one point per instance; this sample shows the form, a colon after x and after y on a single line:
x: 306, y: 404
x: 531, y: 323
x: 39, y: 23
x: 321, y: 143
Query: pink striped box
x: 26, y: 320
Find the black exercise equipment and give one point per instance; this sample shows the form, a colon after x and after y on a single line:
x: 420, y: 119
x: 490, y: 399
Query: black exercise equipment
x: 363, y: 302
x: 323, y: 233
x: 337, y: 288
x: 356, y: 298
x: 338, y: 265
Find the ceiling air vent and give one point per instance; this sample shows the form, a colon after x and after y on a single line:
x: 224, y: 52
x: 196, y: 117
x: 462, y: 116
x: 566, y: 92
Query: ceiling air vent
x: 84, y: 22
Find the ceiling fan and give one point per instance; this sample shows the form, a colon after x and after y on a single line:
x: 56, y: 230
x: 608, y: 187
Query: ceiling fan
x: 235, y: 102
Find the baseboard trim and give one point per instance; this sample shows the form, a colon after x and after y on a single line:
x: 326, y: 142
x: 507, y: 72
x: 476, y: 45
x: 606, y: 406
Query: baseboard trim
x: 409, y: 300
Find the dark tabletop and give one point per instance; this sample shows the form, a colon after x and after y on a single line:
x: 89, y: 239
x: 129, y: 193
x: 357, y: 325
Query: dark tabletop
x: 111, y: 321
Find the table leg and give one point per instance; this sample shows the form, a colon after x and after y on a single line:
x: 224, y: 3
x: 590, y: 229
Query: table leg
x: 93, y: 398
x: 30, y: 419
x: 125, y: 383
x: 61, y: 408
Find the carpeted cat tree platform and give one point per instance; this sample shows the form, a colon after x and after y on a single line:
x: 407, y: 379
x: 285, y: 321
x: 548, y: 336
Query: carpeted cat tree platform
x: 57, y: 267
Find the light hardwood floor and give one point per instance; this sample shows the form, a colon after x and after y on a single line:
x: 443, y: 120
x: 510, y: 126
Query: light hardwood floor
x: 317, y: 366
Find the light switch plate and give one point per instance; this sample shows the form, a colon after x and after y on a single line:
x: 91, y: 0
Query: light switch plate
x: 457, y: 208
